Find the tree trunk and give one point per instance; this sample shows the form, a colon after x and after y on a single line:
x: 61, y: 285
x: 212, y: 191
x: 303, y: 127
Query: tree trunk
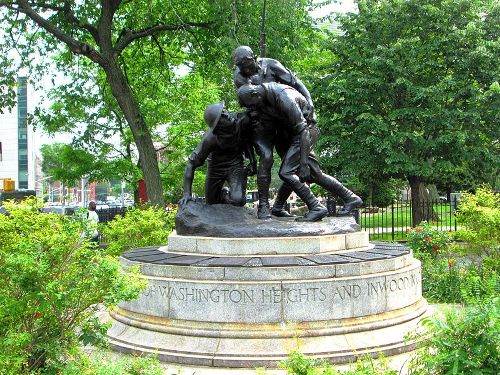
x: 142, y: 136
x: 421, y: 205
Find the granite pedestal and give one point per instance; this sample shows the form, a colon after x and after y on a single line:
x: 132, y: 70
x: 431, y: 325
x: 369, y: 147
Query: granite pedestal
x: 248, y: 302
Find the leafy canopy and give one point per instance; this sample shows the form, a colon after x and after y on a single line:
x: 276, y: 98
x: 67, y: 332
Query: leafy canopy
x: 411, y: 90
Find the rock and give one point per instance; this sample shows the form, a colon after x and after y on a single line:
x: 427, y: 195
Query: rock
x: 222, y: 220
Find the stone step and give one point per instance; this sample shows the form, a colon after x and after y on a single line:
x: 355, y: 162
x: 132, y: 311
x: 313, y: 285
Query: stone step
x: 297, y: 245
x: 156, y: 262
x: 244, y: 352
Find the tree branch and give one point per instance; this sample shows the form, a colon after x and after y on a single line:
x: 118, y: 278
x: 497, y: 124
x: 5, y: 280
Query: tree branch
x: 70, y: 16
x: 74, y: 45
x: 108, y: 9
x: 128, y: 36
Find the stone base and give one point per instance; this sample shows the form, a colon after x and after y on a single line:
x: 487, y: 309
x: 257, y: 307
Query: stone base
x: 341, y: 341
x: 211, y: 302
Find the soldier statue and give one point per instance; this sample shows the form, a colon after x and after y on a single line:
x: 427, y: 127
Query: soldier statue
x: 292, y: 112
x: 250, y: 69
x: 223, y: 146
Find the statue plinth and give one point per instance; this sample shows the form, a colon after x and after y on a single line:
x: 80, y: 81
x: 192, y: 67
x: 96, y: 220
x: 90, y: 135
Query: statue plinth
x: 249, y: 302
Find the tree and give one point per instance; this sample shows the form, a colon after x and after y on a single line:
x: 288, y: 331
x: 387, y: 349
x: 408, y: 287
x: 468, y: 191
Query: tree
x: 68, y: 164
x: 411, y: 91
x: 131, y: 52
x: 102, y: 33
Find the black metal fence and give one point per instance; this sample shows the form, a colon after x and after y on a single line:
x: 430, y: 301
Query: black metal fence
x: 393, y: 221
x: 108, y: 214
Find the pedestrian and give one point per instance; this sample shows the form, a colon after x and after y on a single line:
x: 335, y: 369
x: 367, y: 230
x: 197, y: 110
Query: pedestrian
x: 91, y: 231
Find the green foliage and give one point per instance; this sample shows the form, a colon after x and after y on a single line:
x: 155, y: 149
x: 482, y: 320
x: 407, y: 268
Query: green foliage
x: 411, y: 90
x: 447, y: 279
x: 141, y: 226
x: 465, y: 341
x: 441, y: 279
x: 53, y: 283
x: 426, y: 239
x: 300, y: 364
x: 69, y: 164
x: 173, y: 73
x: 480, y: 284
x: 106, y: 363
x: 479, y: 213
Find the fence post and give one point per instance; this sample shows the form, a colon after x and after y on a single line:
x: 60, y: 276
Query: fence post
x: 392, y: 220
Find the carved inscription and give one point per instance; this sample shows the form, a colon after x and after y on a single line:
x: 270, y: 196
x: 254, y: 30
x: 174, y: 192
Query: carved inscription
x: 289, y: 295
x: 392, y: 285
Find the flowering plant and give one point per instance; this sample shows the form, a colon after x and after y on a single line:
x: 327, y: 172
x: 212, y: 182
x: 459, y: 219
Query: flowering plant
x: 426, y: 239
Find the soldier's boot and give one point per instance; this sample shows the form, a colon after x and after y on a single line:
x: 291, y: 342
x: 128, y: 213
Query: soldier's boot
x: 351, y: 200
x: 263, y: 211
x: 224, y: 195
x: 278, y: 210
x: 316, y: 210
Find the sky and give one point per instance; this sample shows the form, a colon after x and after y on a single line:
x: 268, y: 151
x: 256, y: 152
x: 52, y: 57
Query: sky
x: 41, y: 138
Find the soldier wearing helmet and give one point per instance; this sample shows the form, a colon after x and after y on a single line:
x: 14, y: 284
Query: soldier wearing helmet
x: 299, y: 164
x: 222, y: 146
x: 248, y: 69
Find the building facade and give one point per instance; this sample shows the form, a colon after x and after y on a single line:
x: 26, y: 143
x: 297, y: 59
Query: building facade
x: 17, y: 154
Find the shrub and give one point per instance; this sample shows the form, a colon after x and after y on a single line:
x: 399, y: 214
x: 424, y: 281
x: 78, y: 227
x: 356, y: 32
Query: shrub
x: 479, y: 214
x: 141, y: 226
x: 426, y: 239
x: 441, y: 279
x: 300, y: 364
x: 53, y: 282
x: 106, y: 363
x: 464, y: 342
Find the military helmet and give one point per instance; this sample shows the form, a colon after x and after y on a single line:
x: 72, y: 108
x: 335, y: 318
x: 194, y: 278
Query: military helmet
x: 213, y: 113
x: 242, y: 52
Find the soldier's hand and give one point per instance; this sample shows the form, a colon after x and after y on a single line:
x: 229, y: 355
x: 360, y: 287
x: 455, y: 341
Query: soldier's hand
x: 304, y: 173
x: 251, y: 169
x: 185, y: 199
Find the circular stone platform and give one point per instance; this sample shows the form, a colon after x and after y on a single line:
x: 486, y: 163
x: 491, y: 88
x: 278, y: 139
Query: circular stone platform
x: 214, y: 302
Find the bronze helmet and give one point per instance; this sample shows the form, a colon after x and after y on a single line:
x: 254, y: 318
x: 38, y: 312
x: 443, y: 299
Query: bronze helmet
x: 241, y: 53
x: 213, y: 113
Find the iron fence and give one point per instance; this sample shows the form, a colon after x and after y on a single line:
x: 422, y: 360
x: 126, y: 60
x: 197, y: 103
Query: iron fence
x: 108, y: 214
x: 393, y: 221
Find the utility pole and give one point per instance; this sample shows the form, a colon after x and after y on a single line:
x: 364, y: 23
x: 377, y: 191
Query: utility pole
x: 263, y: 31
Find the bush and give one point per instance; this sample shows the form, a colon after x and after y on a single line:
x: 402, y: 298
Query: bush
x: 53, y: 282
x: 141, y: 226
x: 106, y: 363
x: 464, y: 342
x: 480, y: 215
x: 426, y: 239
x: 300, y: 364
x: 441, y: 279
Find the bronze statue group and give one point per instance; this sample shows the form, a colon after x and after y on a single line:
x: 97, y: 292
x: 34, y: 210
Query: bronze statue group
x: 279, y: 115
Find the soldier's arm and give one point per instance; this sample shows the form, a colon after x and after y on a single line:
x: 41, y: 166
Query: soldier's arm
x: 286, y: 77
x: 196, y: 159
x: 298, y: 126
x: 245, y: 124
x: 239, y: 79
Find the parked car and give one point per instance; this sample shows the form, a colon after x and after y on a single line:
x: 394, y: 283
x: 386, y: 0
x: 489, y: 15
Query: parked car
x: 53, y: 209
x: 61, y: 210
